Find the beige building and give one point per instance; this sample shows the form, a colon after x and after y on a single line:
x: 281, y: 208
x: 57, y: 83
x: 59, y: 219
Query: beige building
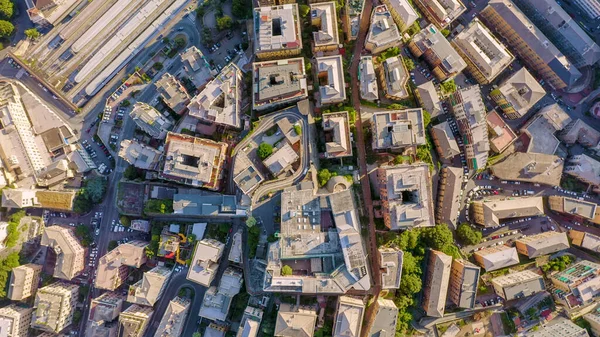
x: 542, y: 244
x: 113, y: 268
x: 394, y: 76
x: 386, y: 318
x: 443, y: 59
x: 517, y: 94
x: 173, y: 93
x: 139, y: 155
x: 383, y: 32
x: 402, y: 12
x: 150, y: 120
x: 220, y: 102
x: 406, y: 196
x: 323, y: 16
x: 517, y: 285
x: 489, y: 213
x: 531, y: 167
x: 369, y: 90
x: 250, y: 323
x: 54, y: 307
x: 391, y: 267
x: 104, y: 311
x: 464, y: 279
x: 584, y: 168
x: 486, y: 57
x: 444, y: 141
x: 336, y: 129
x: 277, y: 31
x: 148, y: 290
x: 435, y: 288
x: 397, y: 130
x: 580, y: 132
x: 15, y: 320
x: 24, y: 281
x: 429, y: 98
x: 205, y: 262
x: 281, y: 160
x: 217, y: 301
x: 134, y: 321
x: 498, y: 257
x: 70, y: 255
x: 294, y: 321
x: 172, y: 323
x: 193, y: 161
x: 278, y: 83
x: 349, y: 317
x: 441, y: 12
x: 542, y: 127
x: 330, y: 74
x: 575, y: 207
x: 449, y: 196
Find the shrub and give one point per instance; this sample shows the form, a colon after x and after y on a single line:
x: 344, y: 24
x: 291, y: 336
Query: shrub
x: 264, y: 150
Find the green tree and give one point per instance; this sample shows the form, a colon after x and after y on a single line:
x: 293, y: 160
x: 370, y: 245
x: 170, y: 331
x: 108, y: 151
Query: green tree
x: 7, y: 9
x: 77, y: 315
x: 112, y: 245
x: 179, y: 42
x: 125, y: 103
x: 131, y: 173
x: 426, y: 118
x: 468, y: 235
x: 224, y: 22
x: 448, y: 87
x: 196, y: 334
x: 125, y: 220
x: 81, y: 203
x: 95, y: 189
x: 437, y: 237
x: 158, y: 66
x: 264, y: 150
x: 304, y: 10
x: 241, y: 9
x: 6, y: 28
x: 32, y: 33
x: 286, y: 270
x: 445, y: 32
x: 224, y: 227
x: 410, y: 284
x: 251, y: 221
x: 408, y: 63
x: 324, y: 175
x: 297, y: 129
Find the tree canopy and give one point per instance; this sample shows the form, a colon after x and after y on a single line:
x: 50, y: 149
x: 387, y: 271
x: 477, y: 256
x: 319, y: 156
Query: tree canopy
x: 32, y: 33
x: 224, y: 22
x: 6, y: 265
x: 7, y: 9
x: 286, y: 270
x: 264, y: 150
x: 304, y: 10
x: 468, y: 235
x: 448, y: 87
x: 324, y: 175
x: 6, y: 28
x: 408, y: 63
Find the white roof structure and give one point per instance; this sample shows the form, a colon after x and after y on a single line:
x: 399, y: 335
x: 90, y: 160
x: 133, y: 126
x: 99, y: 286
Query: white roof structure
x: 277, y: 28
x: 522, y: 91
x: 383, y: 32
x: 407, y: 14
x: 281, y: 159
x: 369, y: 90
x: 173, y: 321
x: 395, y: 129
x: 396, y: 76
x: 429, y: 98
x: 489, y: 213
x: 220, y: 101
x: 391, y: 262
x: 327, y: 34
x: 484, y: 51
x: 497, y: 257
x: 349, y: 317
x: 139, y: 155
x: 150, y: 120
x: 217, y: 301
x: 70, y: 255
x: 172, y: 92
x: 149, y: 289
x: 330, y: 73
x: 443, y: 11
x: 278, y: 82
x: 337, y: 134
x: 296, y: 322
x: 205, y: 261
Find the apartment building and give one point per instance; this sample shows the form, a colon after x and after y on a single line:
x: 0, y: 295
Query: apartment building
x: 172, y: 322
x: 543, y: 126
x: 15, y: 320
x: 134, y: 321
x: 54, y: 307
x: 383, y: 32
x: 113, y: 268
x: 193, y: 161
x: 439, y: 267
x: 323, y: 16
x: 220, y: 101
x: 444, y: 141
x: 560, y: 327
x: 563, y: 30
x: 584, y: 168
x: 486, y: 57
x: 442, y: 58
x: 498, y: 257
x: 281, y: 160
x: 398, y: 130
x: 369, y: 90
x: 295, y: 321
x: 518, y: 285
x: 173, y: 93
x: 429, y: 98
x: 517, y: 94
x: 349, y: 317
x: 24, y: 281
x: 590, y: 7
x: 575, y: 207
x: 441, y: 12
x: 250, y: 322
x: 501, y: 135
x: 594, y: 319
x: 217, y: 300
x: 205, y: 262
x: 139, y: 155
x: 336, y: 130
x: 542, y: 244
x: 150, y: 120
x: 580, y: 132
x: 69, y: 254
x: 394, y: 76
x: 464, y: 279
x: 449, y: 195
x: 150, y: 288
x: 277, y: 31
x: 386, y: 318
x: 103, y: 314
x: 330, y: 74
x: 530, y: 44
x: 391, y: 265
x: 406, y: 196
x: 489, y: 213
x: 536, y: 168
x: 278, y: 83
x: 469, y: 111
x: 402, y: 12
